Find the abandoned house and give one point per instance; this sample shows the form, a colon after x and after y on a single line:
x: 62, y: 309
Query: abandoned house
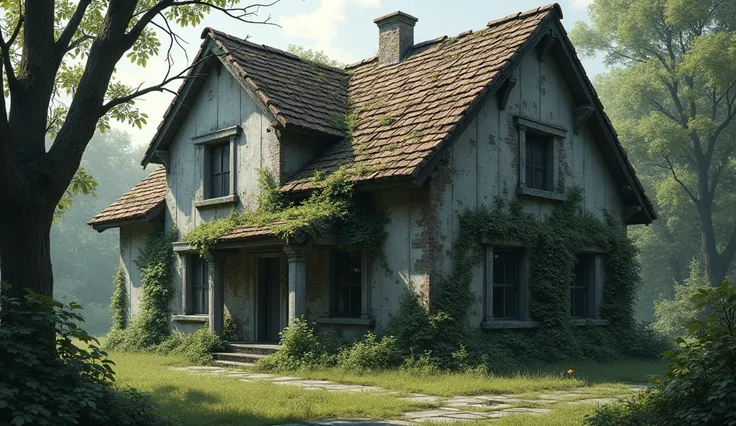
x: 442, y: 126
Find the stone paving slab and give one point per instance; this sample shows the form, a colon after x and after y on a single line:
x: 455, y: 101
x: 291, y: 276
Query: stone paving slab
x: 492, y: 405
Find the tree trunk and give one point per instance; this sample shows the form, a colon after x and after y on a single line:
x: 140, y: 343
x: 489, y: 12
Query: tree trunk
x: 25, y: 255
x: 715, y: 265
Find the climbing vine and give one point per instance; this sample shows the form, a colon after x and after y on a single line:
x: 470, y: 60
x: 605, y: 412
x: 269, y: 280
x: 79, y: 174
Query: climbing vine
x: 119, y: 300
x: 553, y: 246
x: 332, y: 203
x: 151, y: 326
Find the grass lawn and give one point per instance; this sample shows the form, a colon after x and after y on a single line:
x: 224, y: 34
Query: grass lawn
x: 538, y: 378
x: 217, y: 400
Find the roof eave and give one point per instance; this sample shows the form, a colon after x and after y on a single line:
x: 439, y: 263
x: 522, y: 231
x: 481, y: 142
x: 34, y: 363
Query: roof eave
x: 149, y: 216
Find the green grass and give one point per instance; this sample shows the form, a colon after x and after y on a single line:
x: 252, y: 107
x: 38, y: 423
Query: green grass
x: 218, y: 400
x: 565, y: 415
x: 595, y: 372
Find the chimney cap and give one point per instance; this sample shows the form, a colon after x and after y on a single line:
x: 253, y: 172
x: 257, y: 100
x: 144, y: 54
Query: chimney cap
x: 398, y: 15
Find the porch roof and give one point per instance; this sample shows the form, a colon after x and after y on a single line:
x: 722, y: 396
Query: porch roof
x: 242, y: 233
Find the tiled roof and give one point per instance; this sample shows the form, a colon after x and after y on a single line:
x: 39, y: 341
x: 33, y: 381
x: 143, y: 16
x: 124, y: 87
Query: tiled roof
x: 246, y: 232
x: 406, y: 111
x: 140, y: 203
x: 299, y: 93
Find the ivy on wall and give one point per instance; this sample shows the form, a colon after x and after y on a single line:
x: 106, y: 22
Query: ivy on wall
x: 553, y: 245
x: 332, y: 203
x: 119, y: 300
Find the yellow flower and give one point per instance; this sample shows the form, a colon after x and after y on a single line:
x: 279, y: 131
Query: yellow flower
x: 658, y: 381
x: 570, y: 371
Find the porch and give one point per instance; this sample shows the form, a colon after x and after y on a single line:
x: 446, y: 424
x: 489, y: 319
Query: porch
x: 264, y: 284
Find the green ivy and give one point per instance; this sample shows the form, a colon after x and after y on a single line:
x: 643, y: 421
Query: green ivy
x: 119, y: 300
x: 151, y: 326
x: 553, y: 245
x: 332, y: 203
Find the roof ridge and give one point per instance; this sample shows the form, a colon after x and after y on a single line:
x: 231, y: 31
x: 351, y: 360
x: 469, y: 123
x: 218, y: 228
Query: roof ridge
x: 546, y: 8
x: 209, y: 31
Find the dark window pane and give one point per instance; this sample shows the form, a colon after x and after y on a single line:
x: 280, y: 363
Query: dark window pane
x: 200, y: 286
x: 511, y: 302
x: 225, y: 184
x: 215, y: 160
x: 347, y: 279
x: 580, y: 287
x: 506, y: 283
x: 225, y: 157
x: 499, y: 302
x: 539, y: 178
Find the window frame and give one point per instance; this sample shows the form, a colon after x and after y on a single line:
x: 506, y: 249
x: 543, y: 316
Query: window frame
x: 555, y: 136
x: 218, y: 150
x: 364, y: 286
x: 523, y: 288
x: 193, y: 285
x: 593, y: 294
x: 207, y: 144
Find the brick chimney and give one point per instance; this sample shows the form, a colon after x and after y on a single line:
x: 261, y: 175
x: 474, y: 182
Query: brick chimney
x: 395, y: 37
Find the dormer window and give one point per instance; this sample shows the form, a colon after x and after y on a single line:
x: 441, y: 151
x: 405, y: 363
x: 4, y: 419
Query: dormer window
x: 218, y: 167
x: 538, y: 169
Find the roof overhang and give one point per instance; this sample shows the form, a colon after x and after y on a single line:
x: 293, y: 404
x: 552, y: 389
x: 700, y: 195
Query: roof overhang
x: 150, y: 216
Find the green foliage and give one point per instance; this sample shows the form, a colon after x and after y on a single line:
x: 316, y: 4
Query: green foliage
x: 554, y: 243
x: 317, y: 57
x: 151, y: 326
x: 331, y: 203
x: 82, y: 183
x: 119, y: 300
x: 196, y: 347
x: 300, y: 347
x: 673, y: 314
x: 700, y: 382
x: 669, y: 95
x: 370, y: 353
x: 69, y: 382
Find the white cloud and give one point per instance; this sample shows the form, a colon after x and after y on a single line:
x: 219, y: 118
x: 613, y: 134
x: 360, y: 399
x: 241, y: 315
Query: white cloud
x: 321, y: 25
x: 580, y: 4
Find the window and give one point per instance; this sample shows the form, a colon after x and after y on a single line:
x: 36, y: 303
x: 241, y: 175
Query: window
x: 200, y: 290
x: 347, y: 277
x: 506, y: 283
x: 219, y: 176
x: 580, y: 290
x: 537, y: 160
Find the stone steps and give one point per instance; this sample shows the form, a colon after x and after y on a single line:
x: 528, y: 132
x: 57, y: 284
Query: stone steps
x: 240, y: 354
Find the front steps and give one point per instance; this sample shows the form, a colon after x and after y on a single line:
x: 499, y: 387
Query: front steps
x: 240, y: 354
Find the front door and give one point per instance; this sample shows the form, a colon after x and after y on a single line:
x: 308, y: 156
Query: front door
x: 269, y: 299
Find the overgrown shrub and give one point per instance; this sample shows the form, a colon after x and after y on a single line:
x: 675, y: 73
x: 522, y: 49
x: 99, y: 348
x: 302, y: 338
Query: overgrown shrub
x: 370, y: 353
x: 196, y: 347
x: 301, y: 347
x: 672, y: 314
x: 700, y: 383
x: 62, y: 378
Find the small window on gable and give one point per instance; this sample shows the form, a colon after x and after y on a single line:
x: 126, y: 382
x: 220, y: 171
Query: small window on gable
x: 219, y: 170
x: 200, y: 291
x: 506, y: 276
x: 347, y: 278
x: 538, y: 170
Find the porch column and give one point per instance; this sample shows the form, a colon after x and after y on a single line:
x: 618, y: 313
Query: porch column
x: 215, y: 278
x: 296, y: 255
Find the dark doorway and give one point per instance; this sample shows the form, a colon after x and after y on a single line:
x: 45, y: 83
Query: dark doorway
x: 269, y: 299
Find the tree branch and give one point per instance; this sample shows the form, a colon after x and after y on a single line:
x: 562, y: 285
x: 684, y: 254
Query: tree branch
x: 63, y: 43
x: 671, y: 168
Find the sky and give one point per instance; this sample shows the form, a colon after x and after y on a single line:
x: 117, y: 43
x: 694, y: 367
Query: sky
x: 343, y: 29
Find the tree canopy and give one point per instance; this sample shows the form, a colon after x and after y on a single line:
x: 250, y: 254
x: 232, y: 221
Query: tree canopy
x: 672, y: 95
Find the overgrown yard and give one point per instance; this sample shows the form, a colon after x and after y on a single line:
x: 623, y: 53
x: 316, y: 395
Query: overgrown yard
x: 211, y: 399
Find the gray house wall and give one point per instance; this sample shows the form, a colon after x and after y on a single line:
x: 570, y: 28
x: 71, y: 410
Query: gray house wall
x: 132, y: 239
x: 484, y: 161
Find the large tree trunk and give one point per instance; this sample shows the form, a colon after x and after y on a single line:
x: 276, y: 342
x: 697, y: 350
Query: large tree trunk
x: 716, y: 264
x: 25, y: 255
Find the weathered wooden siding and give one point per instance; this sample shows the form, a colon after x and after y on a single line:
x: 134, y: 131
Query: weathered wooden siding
x: 221, y: 103
x: 132, y: 239
x: 483, y: 163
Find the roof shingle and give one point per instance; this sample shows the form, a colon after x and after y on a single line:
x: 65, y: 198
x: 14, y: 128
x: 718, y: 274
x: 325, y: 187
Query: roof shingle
x: 404, y: 112
x: 140, y: 203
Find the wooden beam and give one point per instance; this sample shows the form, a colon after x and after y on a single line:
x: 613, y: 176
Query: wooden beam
x: 163, y: 156
x: 581, y: 114
x: 504, y: 91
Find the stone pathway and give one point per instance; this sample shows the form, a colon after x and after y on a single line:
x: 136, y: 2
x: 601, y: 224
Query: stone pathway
x: 455, y: 409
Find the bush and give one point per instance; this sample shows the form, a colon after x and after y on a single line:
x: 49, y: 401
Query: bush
x: 672, y: 314
x: 300, y: 348
x: 196, y: 347
x: 700, y: 383
x: 46, y: 379
x: 370, y: 354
